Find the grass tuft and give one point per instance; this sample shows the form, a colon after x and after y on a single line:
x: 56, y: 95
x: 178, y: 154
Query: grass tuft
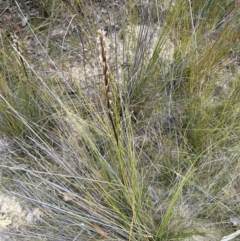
x: 139, y: 144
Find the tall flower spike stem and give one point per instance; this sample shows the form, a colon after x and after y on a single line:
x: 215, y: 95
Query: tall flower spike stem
x: 17, y: 47
x: 103, y: 48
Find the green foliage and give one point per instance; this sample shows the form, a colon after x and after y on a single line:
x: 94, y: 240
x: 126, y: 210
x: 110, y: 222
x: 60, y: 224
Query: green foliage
x: 168, y: 155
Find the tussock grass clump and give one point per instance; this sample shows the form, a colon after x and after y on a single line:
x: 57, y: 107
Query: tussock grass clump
x: 139, y: 144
